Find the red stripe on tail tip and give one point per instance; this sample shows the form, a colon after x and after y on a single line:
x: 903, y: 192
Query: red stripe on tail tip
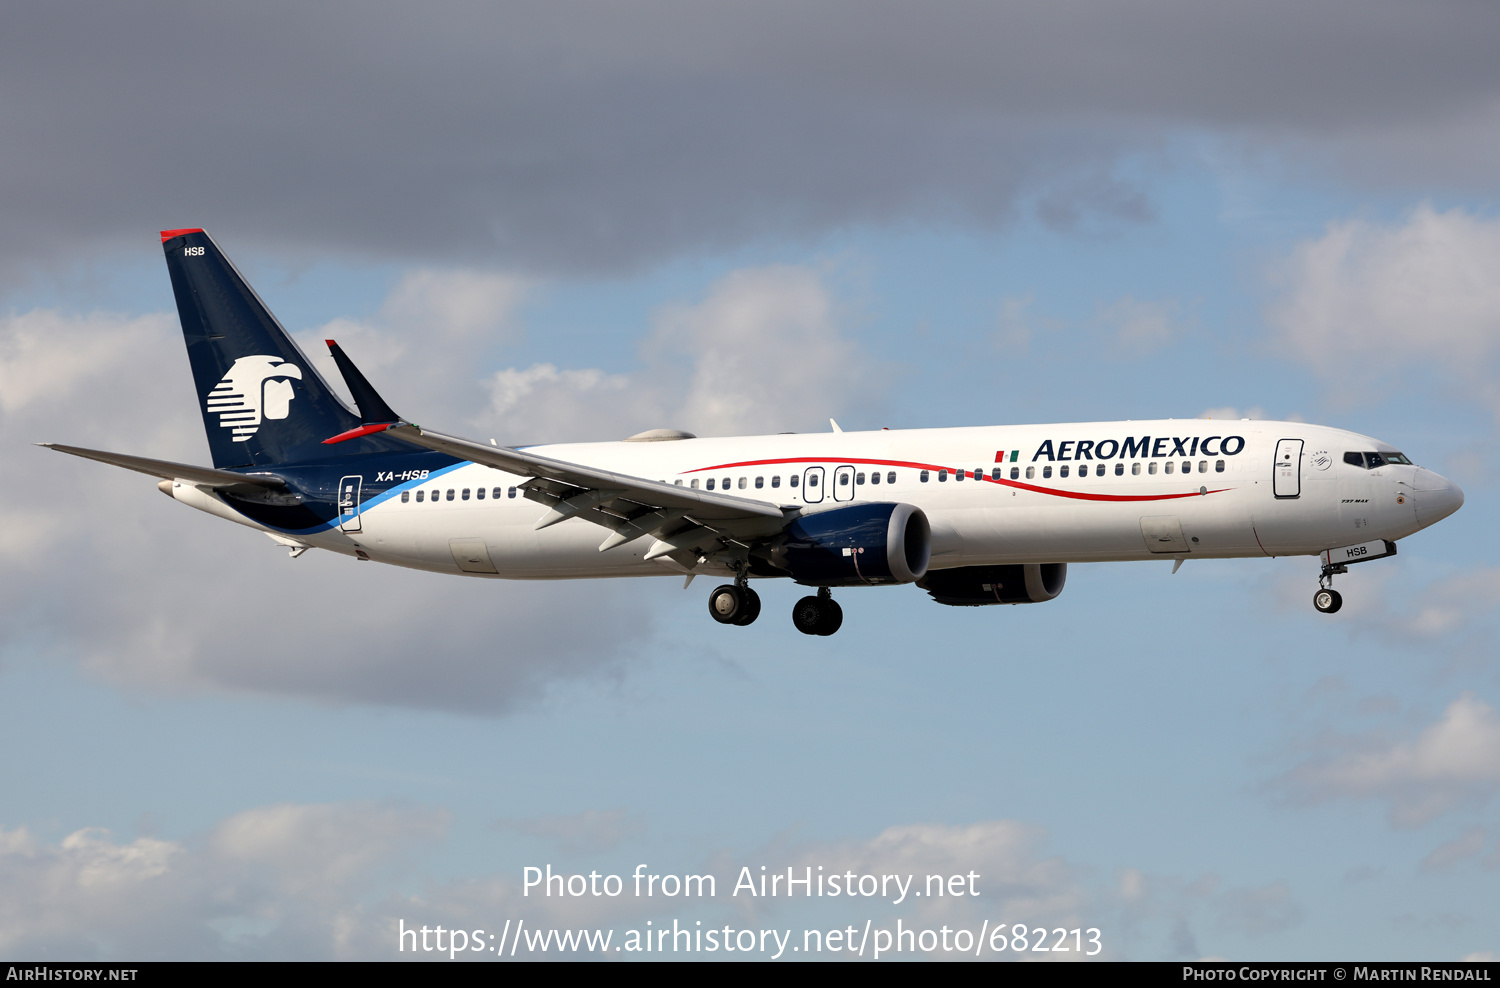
x: 330, y: 344
x: 169, y: 234
x: 363, y: 430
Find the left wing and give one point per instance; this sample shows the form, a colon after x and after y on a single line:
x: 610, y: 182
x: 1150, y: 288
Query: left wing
x: 688, y: 525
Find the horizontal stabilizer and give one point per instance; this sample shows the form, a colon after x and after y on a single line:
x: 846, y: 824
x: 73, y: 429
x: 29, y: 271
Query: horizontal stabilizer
x: 167, y: 470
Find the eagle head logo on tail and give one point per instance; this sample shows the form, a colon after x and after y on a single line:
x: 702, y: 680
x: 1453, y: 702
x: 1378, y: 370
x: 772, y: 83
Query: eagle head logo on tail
x: 255, y: 388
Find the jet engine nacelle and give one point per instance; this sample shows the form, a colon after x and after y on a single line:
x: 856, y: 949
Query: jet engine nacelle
x: 859, y: 545
x: 971, y: 586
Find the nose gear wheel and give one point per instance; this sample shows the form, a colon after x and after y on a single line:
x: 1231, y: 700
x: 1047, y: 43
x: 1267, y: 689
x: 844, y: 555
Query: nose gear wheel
x: 1328, y: 600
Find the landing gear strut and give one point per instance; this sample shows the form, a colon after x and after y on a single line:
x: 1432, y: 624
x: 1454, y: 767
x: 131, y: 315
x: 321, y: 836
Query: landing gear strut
x: 820, y: 615
x: 734, y: 603
x: 1327, y: 599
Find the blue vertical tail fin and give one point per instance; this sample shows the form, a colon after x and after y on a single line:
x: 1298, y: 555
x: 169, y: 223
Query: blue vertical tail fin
x: 263, y: 403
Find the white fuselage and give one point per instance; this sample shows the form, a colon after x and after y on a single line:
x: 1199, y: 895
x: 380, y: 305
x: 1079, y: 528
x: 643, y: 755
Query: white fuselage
x: 1090, y: 492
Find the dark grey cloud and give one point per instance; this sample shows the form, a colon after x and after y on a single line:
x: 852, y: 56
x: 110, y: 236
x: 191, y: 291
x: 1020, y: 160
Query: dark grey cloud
x: 574, y: 136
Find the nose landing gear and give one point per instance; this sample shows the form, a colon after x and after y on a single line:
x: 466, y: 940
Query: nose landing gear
x: 820, y: 615
x: 1328, y: 600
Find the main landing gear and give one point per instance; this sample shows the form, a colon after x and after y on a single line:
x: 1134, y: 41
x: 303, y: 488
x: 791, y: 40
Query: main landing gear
x: 734, y: 603
x: 1327, y: 599
x: 820, y: 615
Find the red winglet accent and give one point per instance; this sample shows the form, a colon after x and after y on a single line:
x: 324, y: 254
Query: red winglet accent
x: 169, y: 234
x: 330, y: 344
x: 363, y: 430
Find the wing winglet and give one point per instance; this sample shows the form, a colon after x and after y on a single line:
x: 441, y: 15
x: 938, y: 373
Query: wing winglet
x: 372, y: 407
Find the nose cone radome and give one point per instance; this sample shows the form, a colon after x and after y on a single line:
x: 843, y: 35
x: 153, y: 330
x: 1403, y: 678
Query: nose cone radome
x: 1437, y: 497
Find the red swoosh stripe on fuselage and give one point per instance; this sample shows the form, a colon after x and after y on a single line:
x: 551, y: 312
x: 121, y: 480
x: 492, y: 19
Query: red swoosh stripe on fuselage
x: 1076, y: 495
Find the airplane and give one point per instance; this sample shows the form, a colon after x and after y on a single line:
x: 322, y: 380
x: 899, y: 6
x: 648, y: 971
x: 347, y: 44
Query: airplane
x: 973, y: 516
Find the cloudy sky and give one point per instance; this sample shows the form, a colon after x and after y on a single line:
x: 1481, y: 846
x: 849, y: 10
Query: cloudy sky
x: 578, y: 220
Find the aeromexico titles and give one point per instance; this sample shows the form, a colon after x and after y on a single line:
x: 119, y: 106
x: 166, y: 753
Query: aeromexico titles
x: 973, y: 516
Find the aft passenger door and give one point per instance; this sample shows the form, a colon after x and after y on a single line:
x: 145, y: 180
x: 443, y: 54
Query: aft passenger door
x: 812, y: 485
x: 1287, y: 482
x: 843, y: 483
x: 349, y: 488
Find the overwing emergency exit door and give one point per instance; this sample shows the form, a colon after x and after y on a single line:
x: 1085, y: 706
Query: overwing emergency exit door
x: 1287, y: 481
x: 843, y: 484
x: 349, y: 488
x: 812, y: 485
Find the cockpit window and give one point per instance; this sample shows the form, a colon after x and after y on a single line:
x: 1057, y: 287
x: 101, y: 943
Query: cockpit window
x: 1370, y: 459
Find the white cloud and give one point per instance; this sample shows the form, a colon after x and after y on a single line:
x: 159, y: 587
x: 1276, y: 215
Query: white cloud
x: 420, y: 348
x: 275, y: 881
x: 1455, y: 760
x: 1230, y: 413
x: 44, y: 353
x: 580, y: 833
x: 763, y: 351
x: 1364, y: 304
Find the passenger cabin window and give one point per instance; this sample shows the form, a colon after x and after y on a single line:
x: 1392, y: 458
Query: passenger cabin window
x: 677, y: 482
x: 875, y: 477
x: 1120, y: 469
x: 1151, y: 468
x: 942, y: 476
x: 726, y: 484
x: 791, y: 481
x: 1099, y: 470
x: 695, y: 484
x: 843, y: 480
x: 1062, y: 471
x: 744, y: 481
x: 465, y: 495
x: 890, y: 478
x: 419, y: 497
x: 497, y: 492
x: 923, y: 476
x: 1031, y: 473
x: 1135, y: 469
x: 859, y: 478
x: 1046, y: 471
x: 1218, y: 466
x: 450, y: 493
x: 959, y: 475
x: 710, y: 484
x: 1168, y: 467
x: 760, y: 482
x: 1015, y: 473
x: 776, y: 480
x: 511, y: 492
x: 405, y: 496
